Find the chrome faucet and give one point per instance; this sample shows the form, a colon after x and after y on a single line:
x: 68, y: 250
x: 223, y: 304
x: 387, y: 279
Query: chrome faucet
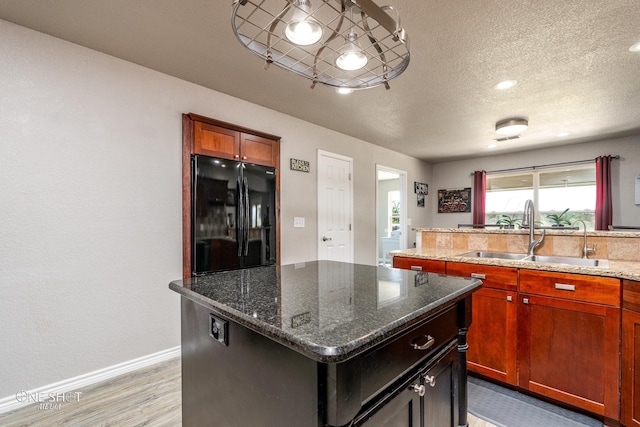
x: 528, y: 219
x: 585, y: 249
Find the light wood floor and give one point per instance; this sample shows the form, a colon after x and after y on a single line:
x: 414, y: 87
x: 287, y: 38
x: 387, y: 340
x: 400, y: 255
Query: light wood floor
x: 147, y: 397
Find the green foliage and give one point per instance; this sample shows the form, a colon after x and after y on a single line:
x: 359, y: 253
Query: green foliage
x: 560, y: 219
x: 508, y: 220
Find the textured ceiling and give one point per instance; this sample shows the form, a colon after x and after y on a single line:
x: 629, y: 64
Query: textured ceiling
x: 571, y: 59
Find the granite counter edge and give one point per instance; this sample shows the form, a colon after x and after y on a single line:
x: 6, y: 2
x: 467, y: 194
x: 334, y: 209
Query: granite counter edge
x: 325, y: 354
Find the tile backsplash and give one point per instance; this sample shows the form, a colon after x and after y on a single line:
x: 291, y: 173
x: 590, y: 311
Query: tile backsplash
x: 610, y: 245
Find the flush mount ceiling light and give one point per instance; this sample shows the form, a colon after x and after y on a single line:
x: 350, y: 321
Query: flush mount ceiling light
x: 635, y: 47
x: 511, y: 126
x: 320, y: 41
x: 506, y: 84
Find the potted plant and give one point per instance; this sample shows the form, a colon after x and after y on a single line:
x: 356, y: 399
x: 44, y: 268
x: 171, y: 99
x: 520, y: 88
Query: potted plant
x: 559, y: 220
x: 509, y: 221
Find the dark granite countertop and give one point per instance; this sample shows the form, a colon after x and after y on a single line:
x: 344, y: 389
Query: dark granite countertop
x: 328, y: 311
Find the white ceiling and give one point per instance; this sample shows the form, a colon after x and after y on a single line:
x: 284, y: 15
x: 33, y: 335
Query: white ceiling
x: 571, y: 59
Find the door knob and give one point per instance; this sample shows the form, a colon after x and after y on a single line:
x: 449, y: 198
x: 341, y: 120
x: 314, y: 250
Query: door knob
x: 324, y: 238
x: 420, y: 389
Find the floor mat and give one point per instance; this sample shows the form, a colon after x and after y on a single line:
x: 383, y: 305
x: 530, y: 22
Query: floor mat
x: 508, y: 408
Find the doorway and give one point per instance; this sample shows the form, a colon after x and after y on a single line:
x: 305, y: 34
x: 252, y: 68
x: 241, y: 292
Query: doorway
x: 335, y: 207
x: 391, y: 212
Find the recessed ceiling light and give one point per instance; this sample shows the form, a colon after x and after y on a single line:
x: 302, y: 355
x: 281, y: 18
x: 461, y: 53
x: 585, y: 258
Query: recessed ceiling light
x: 512, y: 126
x: 492, y: 145
x: 635, y: 47
x: 563, y: 134
x: 505, y: 84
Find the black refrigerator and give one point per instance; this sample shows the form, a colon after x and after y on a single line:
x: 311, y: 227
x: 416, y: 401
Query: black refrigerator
x: 233, y: 208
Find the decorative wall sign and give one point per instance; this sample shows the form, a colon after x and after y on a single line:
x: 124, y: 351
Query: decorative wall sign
x: 454, y: 200
x: 420, y: 188
x: 300, y: 165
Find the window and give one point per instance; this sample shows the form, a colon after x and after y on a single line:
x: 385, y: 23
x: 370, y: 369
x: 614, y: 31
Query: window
x: 553, y: 192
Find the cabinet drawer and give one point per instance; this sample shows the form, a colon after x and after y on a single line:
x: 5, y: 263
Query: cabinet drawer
x: 576, y: 287
x: 492, y: 277
x: 418, y: 264
x: 385, y: 364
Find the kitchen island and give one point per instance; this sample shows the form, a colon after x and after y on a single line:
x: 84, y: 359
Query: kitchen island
x: 324, y: 344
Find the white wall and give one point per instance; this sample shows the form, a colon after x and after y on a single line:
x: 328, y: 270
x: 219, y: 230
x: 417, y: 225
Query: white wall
x: 90, y: 203
x: 458, y: 174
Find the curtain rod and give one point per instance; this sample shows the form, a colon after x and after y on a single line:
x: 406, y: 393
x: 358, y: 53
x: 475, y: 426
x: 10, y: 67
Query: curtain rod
x: 550, y: 165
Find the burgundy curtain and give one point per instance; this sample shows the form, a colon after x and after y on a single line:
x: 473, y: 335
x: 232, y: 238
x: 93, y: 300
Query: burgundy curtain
x: 604, y: 214
x: 479, y: 189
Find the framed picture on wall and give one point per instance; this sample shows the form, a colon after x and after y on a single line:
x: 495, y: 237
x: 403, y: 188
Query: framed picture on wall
x: 421, y: 200
x: 454, y: 200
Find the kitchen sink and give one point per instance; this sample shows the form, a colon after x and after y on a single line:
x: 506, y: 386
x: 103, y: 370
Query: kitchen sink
x: 580, y: 262
x: 566, y: 260
x: 499, y: 255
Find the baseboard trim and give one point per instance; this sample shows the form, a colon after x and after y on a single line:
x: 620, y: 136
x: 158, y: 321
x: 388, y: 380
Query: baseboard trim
x: 11, y: 403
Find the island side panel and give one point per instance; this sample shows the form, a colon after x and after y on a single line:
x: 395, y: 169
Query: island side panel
x: 251, y: 382
x: 464, y: 321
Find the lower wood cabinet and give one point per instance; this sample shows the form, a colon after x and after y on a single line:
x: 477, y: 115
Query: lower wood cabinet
x: 492, y: 336
x: 557, y: 335
x: 630, y: 353
x: 569, y: 348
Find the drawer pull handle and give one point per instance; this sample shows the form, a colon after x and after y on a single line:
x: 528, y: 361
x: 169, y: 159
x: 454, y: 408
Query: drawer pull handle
x: 509, y: 298
x: 430, y: 380
x: 425, y: 345
x: 416, y: 267
x: 565, y: 287
x: 420, y: 389
x: 478, y: 276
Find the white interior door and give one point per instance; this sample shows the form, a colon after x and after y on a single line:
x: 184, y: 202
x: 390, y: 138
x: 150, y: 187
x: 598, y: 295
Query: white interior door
x: 335, y: 207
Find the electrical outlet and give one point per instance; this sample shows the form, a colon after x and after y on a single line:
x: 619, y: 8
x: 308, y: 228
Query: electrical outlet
x: 298, y: 222
x: 219, y: 329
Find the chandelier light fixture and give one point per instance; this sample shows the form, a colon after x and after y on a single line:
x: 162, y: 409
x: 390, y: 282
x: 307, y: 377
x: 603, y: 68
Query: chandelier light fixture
x: 344, y: 44
x: 512, y: 126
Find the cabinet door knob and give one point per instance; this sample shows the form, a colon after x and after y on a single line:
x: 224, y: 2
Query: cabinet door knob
x: 420, y: 389
x: 244, y: 157
x: 430, y: 380
x: 509, y: 298
x: 416, y: 345
x: 237, y: 156
x: 525, y: 300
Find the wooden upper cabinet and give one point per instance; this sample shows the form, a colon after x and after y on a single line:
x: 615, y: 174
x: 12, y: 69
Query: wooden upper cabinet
x: 216, y: 141
x: 258, y: 150
x: 225, y: 143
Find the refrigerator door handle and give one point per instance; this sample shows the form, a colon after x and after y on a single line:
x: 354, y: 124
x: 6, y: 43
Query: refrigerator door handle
x: 239, y: 215
x: 246, y: 216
